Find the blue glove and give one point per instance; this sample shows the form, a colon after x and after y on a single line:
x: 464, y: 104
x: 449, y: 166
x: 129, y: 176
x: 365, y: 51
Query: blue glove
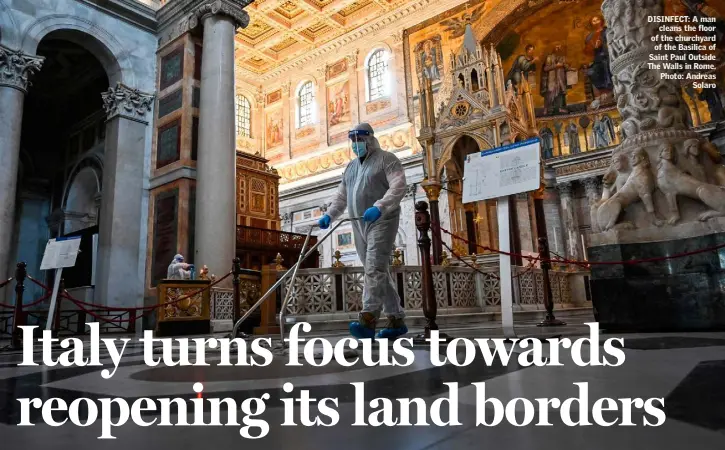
x: 324, y: 222
x: 372, y: 214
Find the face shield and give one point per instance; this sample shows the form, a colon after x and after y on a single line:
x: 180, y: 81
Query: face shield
x: 359, y: 140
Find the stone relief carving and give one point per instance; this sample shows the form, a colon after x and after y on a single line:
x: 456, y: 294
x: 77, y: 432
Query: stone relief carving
x: 16, y: 68
x: 647, y: 102
x: 690, y: 160
x: 655, y: 128
x: 672, y: 181
x: 127, y: 102
x: 639, y: 185
x: 628, y: 28
x: 716, y: 158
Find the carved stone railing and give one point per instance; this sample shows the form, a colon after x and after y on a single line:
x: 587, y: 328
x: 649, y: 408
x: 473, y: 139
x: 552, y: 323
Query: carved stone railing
x: 458, y: 289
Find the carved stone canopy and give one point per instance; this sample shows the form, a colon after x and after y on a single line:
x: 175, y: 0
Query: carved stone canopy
x: 16, y: 68
x: 127, y: 102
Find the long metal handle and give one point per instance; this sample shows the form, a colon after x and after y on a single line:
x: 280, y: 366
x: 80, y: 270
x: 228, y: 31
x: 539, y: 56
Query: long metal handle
x: 291, y: 286
x: 286, y: 274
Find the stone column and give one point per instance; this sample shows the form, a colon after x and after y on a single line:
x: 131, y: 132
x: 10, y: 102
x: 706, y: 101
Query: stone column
x: 570, y: 222
x: 215, y: 237
x: 119, y: 235
x: 552, y: 214
x: 592, y: 187
x: 15, y: 70
x: 655, y: 117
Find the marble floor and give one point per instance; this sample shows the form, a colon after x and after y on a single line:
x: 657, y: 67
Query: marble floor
x: 686, y: 369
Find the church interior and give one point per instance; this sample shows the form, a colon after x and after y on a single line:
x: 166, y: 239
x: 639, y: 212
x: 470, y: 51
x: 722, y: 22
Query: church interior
x: 218, y: 131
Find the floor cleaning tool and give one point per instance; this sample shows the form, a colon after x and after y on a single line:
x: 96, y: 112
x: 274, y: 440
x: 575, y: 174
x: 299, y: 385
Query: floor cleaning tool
x: 293, y: 272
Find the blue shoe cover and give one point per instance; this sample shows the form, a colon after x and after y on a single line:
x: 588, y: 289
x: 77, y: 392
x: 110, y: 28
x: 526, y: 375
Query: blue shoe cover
x: 392, y: 333
x: 359, y: 331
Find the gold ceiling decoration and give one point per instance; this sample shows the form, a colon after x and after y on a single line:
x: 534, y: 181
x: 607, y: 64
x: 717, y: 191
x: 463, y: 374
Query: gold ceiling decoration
x: 354, y: 7
x: 284, y: 44
x: 278, y: 26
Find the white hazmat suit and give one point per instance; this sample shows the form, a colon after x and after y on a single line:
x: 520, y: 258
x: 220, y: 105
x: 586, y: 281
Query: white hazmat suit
x: 375, y: 179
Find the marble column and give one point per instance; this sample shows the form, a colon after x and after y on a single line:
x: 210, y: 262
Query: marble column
x: 16, y: 68
x: 118, y: 281
x: 592, y: 186
x: 526, y: 231
x: 570, y: 222
x: 552, y: 214
x: 215, y: 237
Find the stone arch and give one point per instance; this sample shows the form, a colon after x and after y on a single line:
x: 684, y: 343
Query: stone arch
x: 8, y: 27
x: 103, y: 45
x: 482, y: 142
x: 83, y: 187
x: 93, y: 162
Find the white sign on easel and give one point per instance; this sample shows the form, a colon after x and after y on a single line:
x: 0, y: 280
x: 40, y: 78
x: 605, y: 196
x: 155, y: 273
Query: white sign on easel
x: 59, y: 253
x: 498, y: 173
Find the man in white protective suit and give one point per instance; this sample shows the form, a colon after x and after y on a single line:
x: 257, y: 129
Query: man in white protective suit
x: 373, y: 186
x: 178, y: 269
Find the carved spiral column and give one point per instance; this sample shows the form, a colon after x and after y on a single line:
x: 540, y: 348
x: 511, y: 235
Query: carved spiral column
x: 660, y: 156
x: 216, y: 164
x: 16, y: 69
x: 571, y: 222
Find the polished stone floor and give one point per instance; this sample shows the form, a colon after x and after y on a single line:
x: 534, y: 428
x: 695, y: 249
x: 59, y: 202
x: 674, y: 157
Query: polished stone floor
x: 687, y: 370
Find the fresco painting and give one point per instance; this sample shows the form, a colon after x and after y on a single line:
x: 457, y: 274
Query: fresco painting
x: 338, y: 103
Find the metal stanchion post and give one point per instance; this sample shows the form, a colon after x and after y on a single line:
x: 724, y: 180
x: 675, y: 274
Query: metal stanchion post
x: 20, y: 274
x: 58, y: 306
x: 550, y: 320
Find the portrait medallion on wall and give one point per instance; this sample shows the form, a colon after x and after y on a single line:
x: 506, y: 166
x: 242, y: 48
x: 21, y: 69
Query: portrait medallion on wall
x: 338, y: 103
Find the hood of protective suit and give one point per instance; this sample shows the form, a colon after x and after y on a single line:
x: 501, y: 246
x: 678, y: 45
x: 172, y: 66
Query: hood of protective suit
x: 378, y: 180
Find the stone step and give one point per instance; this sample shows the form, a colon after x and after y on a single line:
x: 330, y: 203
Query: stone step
x: 340, y: 322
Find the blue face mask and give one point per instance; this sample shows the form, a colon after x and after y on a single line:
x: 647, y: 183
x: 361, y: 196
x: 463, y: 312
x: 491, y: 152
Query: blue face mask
x: 359, y: 148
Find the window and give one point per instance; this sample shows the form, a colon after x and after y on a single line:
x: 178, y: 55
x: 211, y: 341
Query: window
x: 378, y: 75
x: 242, y: 117
x: 306, y: 100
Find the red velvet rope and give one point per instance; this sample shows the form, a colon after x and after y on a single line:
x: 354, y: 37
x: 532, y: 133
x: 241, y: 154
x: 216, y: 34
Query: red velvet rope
x: 148, y: 309
x: 585, y: 263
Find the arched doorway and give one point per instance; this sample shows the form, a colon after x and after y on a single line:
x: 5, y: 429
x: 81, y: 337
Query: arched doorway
x: 63, y: 124
x: 475, y: 221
